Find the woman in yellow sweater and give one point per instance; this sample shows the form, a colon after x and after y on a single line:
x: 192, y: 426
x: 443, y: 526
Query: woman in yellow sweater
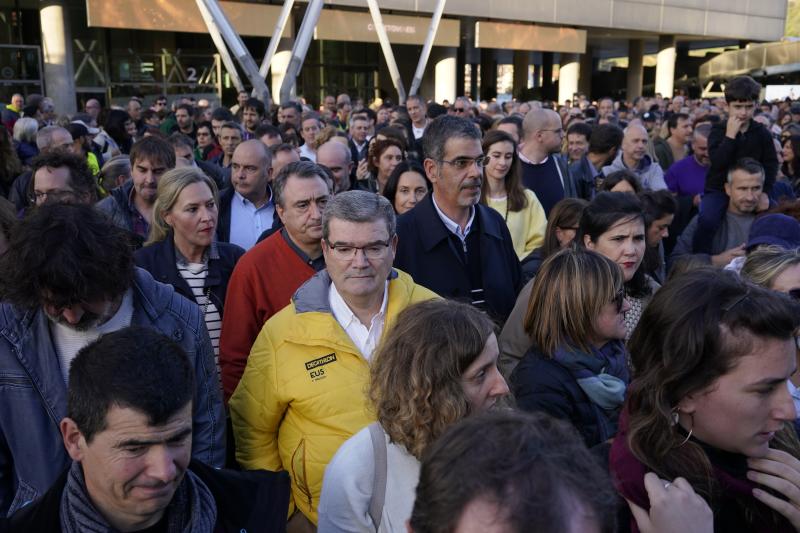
x: 503, y: 192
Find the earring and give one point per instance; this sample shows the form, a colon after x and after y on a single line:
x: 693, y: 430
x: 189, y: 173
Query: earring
x: 674, y: 417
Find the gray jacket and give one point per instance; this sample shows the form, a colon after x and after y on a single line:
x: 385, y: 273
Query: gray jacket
x: 33, y: 395
x: 650, y: 174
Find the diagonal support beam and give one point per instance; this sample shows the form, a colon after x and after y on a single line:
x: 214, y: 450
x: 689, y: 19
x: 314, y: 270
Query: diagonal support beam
x: 426, y: 49
x: 388, y: 55
x: 219, y: 42
x: 301, y: 43
x: 277, y: 33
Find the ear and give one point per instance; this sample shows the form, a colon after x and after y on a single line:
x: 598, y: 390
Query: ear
x: 269, y: 174
x: 727, y: 188
x: 587, y: 242
x: 431, y: 169
x: 280, y: 211
x: 393, y: 245
x: 167, y: 216
x: 688, y: 404
x: 73, y: 439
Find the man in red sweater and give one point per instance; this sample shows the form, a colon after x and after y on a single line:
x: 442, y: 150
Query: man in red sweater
x: 266, y: 277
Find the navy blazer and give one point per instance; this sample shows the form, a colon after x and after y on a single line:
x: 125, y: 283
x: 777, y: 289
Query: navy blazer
x: 425, y: 252
x: 159, y: 259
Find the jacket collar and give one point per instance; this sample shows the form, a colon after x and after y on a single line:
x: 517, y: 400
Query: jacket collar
x: 312, y: 296
x: 435, y: 231
x: 165, y: 267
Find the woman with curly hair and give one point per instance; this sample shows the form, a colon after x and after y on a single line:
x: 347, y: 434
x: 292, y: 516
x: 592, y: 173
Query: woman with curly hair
x: 437, y: 365
x: 384, y: 155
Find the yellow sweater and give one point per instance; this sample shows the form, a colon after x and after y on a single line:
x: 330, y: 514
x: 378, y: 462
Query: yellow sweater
x: 527, y: 227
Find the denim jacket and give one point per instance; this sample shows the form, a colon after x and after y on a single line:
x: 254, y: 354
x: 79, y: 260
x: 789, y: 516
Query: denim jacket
x: 33, y: 395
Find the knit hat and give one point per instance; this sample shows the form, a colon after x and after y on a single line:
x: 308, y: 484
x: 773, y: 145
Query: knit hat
x: 776, y: 229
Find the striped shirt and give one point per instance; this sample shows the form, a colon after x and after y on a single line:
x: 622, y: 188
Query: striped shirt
x: 195, y: 275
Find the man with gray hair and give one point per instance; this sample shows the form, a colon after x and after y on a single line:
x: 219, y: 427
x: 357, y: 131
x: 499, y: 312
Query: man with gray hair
x: 450, y: 242
x: 48, y: 139
x: 337, y: 158
x: 633, y: 157
x: 302, y: 393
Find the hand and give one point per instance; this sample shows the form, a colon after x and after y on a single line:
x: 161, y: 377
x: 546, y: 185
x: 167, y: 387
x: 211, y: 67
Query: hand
x: 763, y: 202
x: 362, y: 172
x: 734, y: 127
x: 781, y: 472
x: 722, y: 259
x: 674, y: 507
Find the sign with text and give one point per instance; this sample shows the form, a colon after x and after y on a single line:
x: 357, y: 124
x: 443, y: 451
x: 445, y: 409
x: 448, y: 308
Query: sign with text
x: 336, y: 25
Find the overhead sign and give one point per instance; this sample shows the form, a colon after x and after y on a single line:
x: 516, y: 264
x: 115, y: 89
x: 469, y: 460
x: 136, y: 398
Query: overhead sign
x: 530, y: 37
x: 256, y: 20
x: 337, y: 25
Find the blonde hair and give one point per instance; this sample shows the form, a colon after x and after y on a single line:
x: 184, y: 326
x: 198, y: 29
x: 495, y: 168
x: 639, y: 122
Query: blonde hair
x: 416, y: 373
x: 766, y: 263
x: 170, y: 186
x: 568, y: 295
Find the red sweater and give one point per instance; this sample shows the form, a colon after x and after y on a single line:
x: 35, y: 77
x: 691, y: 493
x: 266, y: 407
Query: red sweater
x: 262, y: 283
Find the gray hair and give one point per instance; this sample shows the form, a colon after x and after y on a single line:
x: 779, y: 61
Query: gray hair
x: 748, y: 165
x: 25, y: 129
x: 359, y: 206
x: 703, y: 129
x: 446, y: 127
x: 298, y: 169
x: 416, y: 97
x: 44, y: 137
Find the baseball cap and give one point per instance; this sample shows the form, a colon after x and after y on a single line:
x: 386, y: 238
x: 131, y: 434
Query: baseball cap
x: 776, y: 229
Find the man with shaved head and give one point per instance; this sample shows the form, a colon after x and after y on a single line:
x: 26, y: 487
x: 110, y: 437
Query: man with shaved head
x: 335, y: 156
x: 633, y: 157
x: 543, y: 171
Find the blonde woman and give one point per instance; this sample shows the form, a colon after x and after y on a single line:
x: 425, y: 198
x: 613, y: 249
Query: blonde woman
x: 774, y: 267
x: 437, y: 365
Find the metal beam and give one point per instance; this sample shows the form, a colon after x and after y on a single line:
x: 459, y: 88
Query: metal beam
x: 426, y: 49
x: 280, y: 25
x: 237, y: 48
x: 219, y: 42
x: 301, y: 43
x: 388, y: 55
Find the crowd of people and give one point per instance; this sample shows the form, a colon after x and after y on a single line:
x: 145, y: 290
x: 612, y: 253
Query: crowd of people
x: 435, y: 317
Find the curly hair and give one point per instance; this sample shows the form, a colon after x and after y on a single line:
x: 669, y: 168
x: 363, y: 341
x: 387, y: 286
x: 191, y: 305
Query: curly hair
x: 416, y: 373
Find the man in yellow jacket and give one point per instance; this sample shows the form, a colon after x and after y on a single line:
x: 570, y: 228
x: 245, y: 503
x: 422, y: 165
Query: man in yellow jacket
x: 303, y: 392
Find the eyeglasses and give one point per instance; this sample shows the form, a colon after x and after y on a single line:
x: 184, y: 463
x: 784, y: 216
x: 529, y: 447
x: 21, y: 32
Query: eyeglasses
x: 619, y: 299
x: 463, y: 163
x: 459, y: 109
x: 346, y: 252
x: 39, y: 198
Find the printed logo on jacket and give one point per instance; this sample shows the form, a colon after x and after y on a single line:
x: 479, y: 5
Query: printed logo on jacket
x: 314, y: 367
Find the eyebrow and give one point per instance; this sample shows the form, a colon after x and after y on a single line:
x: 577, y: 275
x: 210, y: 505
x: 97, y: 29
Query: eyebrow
x: 353, y: 245
x: 185, y: 432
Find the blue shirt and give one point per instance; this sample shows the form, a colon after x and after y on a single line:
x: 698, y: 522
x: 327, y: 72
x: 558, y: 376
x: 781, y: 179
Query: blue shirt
x: 249, y: 222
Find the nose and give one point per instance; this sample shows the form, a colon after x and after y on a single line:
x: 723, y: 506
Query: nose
x: 314, y: 212
x: 72, y: 314
x: 161, y: 464
x: 360, y: 259
x: 499, y: 386
x: 665, y: 233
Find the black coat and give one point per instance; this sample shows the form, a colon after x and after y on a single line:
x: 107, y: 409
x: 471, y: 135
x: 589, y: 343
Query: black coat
x: 424, y: 251
x: 159, y: 259
x: 254, y: 501
x: 224, y: 217
x: 539, y: 383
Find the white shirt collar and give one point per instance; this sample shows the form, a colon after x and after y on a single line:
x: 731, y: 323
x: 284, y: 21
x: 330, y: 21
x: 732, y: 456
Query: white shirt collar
x: 245, y: 201
x: 526, y: 160
x: 453, y: 226
x: 365, y: 337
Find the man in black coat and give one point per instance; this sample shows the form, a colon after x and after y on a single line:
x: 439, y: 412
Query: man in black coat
x: 128, y: 431
x: 450, y: 242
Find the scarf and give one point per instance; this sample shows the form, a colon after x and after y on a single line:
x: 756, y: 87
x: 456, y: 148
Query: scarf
x: 603, y: 375
x: 192, y: 509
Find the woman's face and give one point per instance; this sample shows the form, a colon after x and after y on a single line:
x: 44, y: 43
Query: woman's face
x: 411, y: 188
x: 501, y: 154
x: 787, y: 280
x: 623, y: 186
x: 659, y: 230
x: 482, y: 381
x: 741, y: 411
x: 130, y: 128
x: 193, y: 217
x: 390, y: 158
x: 610, y: 323
x: 565, y: 235
x: 788, y: 153
x: 623, y: 243
x: 204, y: 137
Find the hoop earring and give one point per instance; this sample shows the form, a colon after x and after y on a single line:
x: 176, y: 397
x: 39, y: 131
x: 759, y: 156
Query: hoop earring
x: 674, y: 417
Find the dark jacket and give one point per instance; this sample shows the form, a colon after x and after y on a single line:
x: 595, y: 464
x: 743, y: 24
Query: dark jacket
x: 254, y: 501
x: 530, y: 265
x: 756, y: 142
x: 539, y: 383
x: 425, y: 251
x: 20, y: 189
x: 33, y: 394
x: 584, y: 175
x: 224, y: 220
x: 26, y: 151
x: 160, y: 260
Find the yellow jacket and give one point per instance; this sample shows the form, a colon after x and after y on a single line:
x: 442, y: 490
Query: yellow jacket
x: 527, y: 227
x: 303, y: 392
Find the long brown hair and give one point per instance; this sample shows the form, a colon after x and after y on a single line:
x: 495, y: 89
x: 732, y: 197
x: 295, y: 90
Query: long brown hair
x: 692, y: 333
x: 565, y: 214
x: 517, y: 201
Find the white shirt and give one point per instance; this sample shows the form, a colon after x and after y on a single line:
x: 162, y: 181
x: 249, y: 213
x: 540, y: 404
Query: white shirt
x: 249, y: 222
x: 453, y: 226
x: 308, y: 153
x: 365, y: 339
x: 69, y: 341
x: 418, y: 132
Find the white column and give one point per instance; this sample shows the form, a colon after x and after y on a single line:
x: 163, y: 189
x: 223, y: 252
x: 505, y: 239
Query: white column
x: 59, y: 83
x: 445, y: 76
x: 665, y: 65
x: 279, y: 64
x: 568, y: 73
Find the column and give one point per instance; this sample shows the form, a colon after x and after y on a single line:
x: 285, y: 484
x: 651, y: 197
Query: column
x: 488, y: 89
x: 635, y: 68
x: 547, y: 75
x: 279, y: 64
x: 522, y: 60
x: 568, y: 74
x: 445, y: 60
x: 665, y: 65
x: 585, y: 76
x: 59, y: 83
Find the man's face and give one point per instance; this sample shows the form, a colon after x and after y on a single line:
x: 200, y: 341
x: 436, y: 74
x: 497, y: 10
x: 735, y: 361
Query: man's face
x: 551, y: 135
x: 92, y: 107
x: 216, y: 125
x: 250, y: 118
x: 416, y: 110
x: 383, y: 115
x: 81, y: 316
x: 677, y: 104
x: 134, y: 110
x: 362, y: 259
x: 160, y: 105
x: 744, y: 191
x: 577, y: 144
x: 229, y: 139
x: 359, y: 130
x: 183, y: 119
x: 303, y: 201
x: 605, y: 108
x: 453, y: 187
x: 271, y: 140
x: 145, y: 174
x: 52, y: 185
x: 242, y: 97
x: 344, y: 111
x: 659, y: 230
x: 283, y: 158
x: 683, y: 130
x: 511, y: 129
x: 250, y: 171
x: 61, y: 140
x: 634, y: 143
x: 310, y: 130
x: 700, y: 147
x: 289, y: 115
x: 330, y: 104
x: 743, y: 110
x: 132, y: 468
x: 335, y: 158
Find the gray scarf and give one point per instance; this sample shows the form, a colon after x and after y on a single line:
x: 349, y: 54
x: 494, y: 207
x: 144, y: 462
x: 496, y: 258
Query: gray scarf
x: 192, y: 509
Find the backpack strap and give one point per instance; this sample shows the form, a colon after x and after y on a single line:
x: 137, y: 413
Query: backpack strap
x: 379, y: 478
